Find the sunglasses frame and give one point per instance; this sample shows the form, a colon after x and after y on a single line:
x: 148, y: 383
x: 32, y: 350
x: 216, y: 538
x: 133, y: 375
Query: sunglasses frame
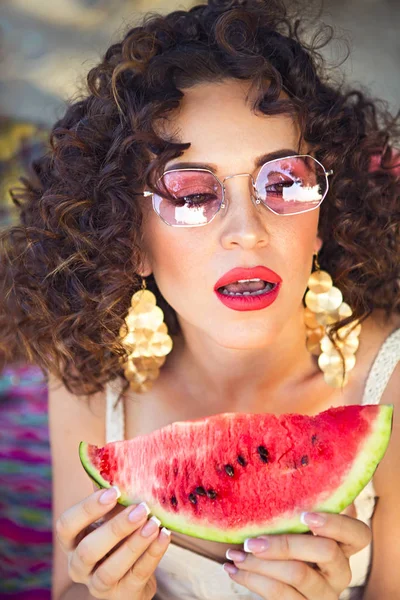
x: 258, y: 200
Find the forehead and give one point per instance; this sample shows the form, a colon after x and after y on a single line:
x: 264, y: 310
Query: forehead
x: 222, y: 128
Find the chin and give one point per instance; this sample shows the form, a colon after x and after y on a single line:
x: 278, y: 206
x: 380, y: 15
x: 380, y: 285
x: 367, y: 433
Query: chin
x: 242, y: 338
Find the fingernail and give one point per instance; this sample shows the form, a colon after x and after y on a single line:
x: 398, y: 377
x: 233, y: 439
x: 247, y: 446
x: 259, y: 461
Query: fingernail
x: 255, y: 545
x: 151, y: 526
x: 236, y: 555
x: 312, y: 519
x: 110, y: 495
x: 140, y: 511
x: 231, y: 569
x: 165, y: 532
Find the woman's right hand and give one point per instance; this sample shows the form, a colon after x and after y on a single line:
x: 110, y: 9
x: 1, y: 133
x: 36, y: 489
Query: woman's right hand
x: 116, y: 560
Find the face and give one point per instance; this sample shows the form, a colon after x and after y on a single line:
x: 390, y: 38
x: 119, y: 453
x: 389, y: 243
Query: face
x: 187, y: 262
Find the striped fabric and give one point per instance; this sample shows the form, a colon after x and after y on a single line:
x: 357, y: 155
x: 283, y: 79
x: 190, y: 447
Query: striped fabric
x: 25, y: 483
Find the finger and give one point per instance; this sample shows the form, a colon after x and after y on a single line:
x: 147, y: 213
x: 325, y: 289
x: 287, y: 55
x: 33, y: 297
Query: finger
x: 81, y: 515
x: 270, y: 589
x: 123, y: 560
x: 145, y: 566
x: 116, y: 510
x: 97, y: 544
x: 297, y: 574
x: 352, y: 534
x: 324, y: 552
x: 295, y: 546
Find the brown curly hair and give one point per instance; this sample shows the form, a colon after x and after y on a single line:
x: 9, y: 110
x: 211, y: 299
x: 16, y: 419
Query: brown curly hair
x: 69, y: 268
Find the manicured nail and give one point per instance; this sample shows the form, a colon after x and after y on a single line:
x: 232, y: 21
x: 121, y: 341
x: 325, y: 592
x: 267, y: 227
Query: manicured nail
x: 236, y: 555
x: 140, y: 511
x: 165, y: 533
x: 231, y: 569
x: 110, y: 495
x: 312, y: 519
x: 255, y: 545
x: 151, y: 526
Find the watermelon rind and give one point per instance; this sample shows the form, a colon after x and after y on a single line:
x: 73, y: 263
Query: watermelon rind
x: 364, y: 466
x: 95, y: 475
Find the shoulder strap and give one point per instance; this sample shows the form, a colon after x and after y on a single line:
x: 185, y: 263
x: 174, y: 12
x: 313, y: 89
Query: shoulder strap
x: 115, y: 418
x: 382, y: 368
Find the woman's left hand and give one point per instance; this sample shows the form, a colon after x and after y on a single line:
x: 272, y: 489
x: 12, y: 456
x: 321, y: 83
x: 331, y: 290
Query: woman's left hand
x: 298, y: 566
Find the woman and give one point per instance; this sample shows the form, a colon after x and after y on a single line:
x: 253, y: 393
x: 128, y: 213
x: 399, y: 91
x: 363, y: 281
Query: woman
x: 211, y: 143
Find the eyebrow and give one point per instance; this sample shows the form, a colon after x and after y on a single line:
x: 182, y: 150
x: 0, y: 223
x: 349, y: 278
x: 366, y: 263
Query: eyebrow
x: 259, y: 161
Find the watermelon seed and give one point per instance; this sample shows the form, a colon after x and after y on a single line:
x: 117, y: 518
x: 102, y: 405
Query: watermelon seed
x: 175, y: 470
x: 263, y: 452
x: 313, y: 439
x: 304, y: 460
x: 200, y: 491
x: 229, y: 470
x: 211, y: 494
x: 242, y: 462
x: 174, y: 501
x: 192, y: 498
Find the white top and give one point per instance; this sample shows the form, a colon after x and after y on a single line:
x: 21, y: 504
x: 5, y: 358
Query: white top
x: 185, y: 575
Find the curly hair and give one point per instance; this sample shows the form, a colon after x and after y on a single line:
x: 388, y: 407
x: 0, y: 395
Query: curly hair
x: 69, y: 267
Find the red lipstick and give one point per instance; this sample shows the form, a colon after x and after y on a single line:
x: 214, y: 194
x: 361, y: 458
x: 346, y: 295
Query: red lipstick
x: 249, y: 302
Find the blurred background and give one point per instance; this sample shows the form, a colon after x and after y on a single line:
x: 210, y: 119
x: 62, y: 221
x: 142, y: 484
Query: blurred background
x: 47, y: 47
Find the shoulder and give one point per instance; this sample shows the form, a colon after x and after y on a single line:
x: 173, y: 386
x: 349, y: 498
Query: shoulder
x: 72, y: 419
x: 378, y: 329
x: 387, y: 475
x: 71, y: 415
x: 384, y: 580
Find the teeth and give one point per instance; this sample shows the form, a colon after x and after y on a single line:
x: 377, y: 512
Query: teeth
x: 245, y: 280
x: 268, y: 287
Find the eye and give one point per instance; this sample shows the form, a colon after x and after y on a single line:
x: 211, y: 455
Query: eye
x: 195, y: 199
x: 278, y: 187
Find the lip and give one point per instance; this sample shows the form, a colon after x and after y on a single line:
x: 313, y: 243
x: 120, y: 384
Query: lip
x: 259, y: 272
x: 244, y: 303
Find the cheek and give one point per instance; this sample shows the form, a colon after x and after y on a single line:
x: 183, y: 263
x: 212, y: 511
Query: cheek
x: 175, y: 255
x: 182, y: 269
x: 296, y: 246
x: 296, y: 241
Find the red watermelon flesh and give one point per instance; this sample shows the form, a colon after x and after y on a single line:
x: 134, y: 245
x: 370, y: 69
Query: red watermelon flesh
x: 234, y: 475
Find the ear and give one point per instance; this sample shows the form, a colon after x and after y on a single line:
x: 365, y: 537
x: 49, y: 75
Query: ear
x: 145, y: 268
x: 318, y: 244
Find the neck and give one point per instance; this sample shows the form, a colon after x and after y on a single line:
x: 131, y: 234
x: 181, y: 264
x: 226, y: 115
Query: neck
x: 242, y: 379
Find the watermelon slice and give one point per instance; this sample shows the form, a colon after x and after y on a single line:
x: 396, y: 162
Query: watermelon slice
x: 232, y: 476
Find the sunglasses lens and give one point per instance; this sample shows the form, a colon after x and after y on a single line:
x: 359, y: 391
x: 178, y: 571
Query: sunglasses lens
x: 292, y: 185
x: 190, y: 198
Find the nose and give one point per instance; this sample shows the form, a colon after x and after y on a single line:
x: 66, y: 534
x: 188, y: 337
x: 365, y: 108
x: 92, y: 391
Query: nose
x: 244, y: 222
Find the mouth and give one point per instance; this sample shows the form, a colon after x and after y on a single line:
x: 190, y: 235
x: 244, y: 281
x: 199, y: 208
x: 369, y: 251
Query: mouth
x: 247, y: 287
x: 246, y: 281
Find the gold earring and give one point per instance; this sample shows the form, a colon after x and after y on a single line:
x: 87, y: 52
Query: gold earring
x: 324, y: 307
x: 145, y: 338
